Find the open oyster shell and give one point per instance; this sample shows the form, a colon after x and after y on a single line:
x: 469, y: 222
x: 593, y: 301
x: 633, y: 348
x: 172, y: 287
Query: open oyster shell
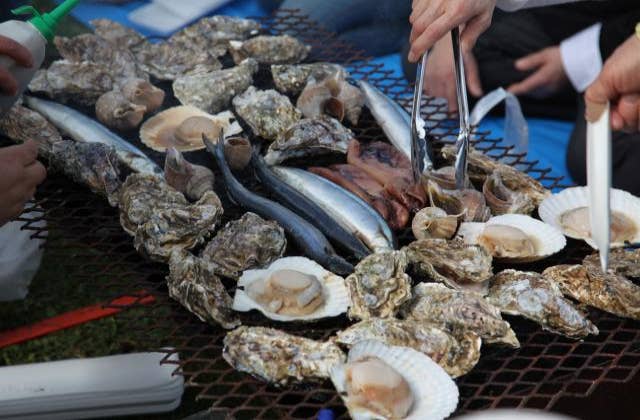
x: 609, y: 292
x: 247, y: 243
x: 624, y: 262
x: 21, y: 124
x: 454, y: 263
x: 468, y: 204
x: 292, y: 78
x: 193, y: 283
x: 457, y: 310
x: 391, y: 382
x: 267, y: 112
x: 280, y: 358
x: 379, y: 285
x: 271, y: 290
x: 503, y: 200
x: 270, y: 49
x: 456, y: 354
x: 433, y: 222
x: 213, y: 91
x: 539, y: 299
x: 309, y: 137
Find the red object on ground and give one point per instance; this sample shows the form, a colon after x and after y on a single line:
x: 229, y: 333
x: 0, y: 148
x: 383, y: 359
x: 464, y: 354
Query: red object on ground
x: 71, y: 319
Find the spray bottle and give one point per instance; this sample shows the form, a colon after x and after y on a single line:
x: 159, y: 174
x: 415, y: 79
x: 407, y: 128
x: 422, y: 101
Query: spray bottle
x: 34, y: 36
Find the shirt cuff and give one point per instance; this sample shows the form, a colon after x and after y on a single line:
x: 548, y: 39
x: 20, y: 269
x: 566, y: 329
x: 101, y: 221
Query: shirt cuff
x: 581, y: 57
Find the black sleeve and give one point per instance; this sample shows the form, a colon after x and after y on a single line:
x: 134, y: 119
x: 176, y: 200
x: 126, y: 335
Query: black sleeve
x: 616, y: 30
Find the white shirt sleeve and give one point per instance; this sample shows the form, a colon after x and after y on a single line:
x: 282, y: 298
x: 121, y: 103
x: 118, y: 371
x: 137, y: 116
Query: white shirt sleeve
x: 581, y: 57
x: 511, y: 5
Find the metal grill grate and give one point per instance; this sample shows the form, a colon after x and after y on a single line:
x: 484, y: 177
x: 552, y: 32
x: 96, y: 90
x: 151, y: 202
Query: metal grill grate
x: 545, y: 369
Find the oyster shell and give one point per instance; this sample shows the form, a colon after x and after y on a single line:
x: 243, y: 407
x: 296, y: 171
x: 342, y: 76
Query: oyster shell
x: 453, y: 263
x: 280, y: 358
x: 141, y: 92
x: 379, y: 285
x: 609, y: 292
x: 481, y: 166
x: 445, y: 177
x: 270, y: 49
x: 292, y: 78
x: 267, y: 112
x: 388, y: 382
x: 539, y: 299
x: 433, y: 222
x: 457, y: 355
x: 457, y: 310
x: 193, y: 283
x: 247, y: 243
x: 117, y: 33
x: 66, y: 81
x: 502, y: 200
x: 191, y: 180
x: 182, y: 127
x: 213, y: 91
x: 171, y: 60
x: 309, y: 137
x: 92, y: 164
x: 624, y: 262
x: 117, y: 112
x: 21, y: 124
x: 292, y: 289
x: 469, y: 204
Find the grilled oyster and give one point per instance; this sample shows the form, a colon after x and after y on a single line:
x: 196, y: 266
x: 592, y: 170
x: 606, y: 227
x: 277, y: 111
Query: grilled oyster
x: 191, y: 180
x: 292, y: 78
x: 117, y: 33
x: 457, y: 355
x: 80, y: 82
x: 193, y: 283
x: 141, y: 92
x: 292, y: 289
x: 270, y: 49
x: 624, y: 262
x: 468, y: 204
x: 482, y: 166
x: 453, y: 263
x: 117, y: 112
x: 456, y: 310
x: 445, y: 177
x: 280, y: 358
x: 609, y: 292
x: 267, y: 112
x: 21, y: 124
x: 539, y: 299
x: 243, y: 244
x: 388, y: 382
x: 309, y: 137
x: 379, y: 285
x: 212, y: 91
x: 433, y: 222
x: 171, y: 60
x: 503, y: 200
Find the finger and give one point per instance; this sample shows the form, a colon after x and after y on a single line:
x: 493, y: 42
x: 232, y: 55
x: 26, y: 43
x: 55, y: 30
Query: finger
x: 531, y: 61
x: 425, y: 18
x: 8, y: 84
x: 20, y: 54
x: 473, y: 29
x: 597, y: 95
x: 617, y: 123
x: 473, y: 75
x: 532, y: 82
x: 23, y: 154
x: 418, y: 7
x: 433, y: 33
x: 628, y: 110
x: 35, y: 173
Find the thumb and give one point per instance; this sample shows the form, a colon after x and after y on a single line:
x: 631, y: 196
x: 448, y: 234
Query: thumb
x: 596, y: 98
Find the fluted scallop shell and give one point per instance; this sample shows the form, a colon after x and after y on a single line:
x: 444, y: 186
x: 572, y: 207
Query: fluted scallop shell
x: 334, y: 290
x: 622, y: 202
x: 435, y: 394
x: 546, y: 239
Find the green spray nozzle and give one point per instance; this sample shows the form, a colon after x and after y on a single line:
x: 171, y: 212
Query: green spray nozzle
x: 47, y: 23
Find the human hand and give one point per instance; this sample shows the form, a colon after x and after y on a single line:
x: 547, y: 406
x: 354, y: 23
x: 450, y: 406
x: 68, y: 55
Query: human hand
x: 20, y: 173
x: 432, y: 19
x: 21, y: 55
x: 548, y: 76
x: 619, y: 84
x: 439, y: 75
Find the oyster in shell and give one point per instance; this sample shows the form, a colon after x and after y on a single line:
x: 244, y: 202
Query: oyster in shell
x: 171, y: 60
x: 193, y: 283
x: 457, y: 310
x: 379, y: 285
x: 292, y: 78
x: 292, y: 289
x: 247, y: 243
x: 191, y: 180
x: 624, y: 262
x: 92, y: 164
x: 457, y: 355
x: 481, y: 166
x: 180, y: 227
x: 309, y: 137
x: 503, y: 200
x: 539, y: 299
x: 22, y: 124
x: 67, y: 81
x: 280, y: 358
x: 117, y: 112
x: 117, y: 33
x: 267, y: 112
x: 213, y: 91
x: 433, y: 222
x: 453, y: 263
x: 445, y: 177
x: 468, y: 204
x: 270, y: 49
x: 609, y: 292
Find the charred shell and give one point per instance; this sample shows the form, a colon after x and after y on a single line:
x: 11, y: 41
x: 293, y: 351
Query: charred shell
x: 292, y: 78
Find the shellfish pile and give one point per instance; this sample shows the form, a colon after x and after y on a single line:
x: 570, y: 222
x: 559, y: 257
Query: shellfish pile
x: 413, y: 316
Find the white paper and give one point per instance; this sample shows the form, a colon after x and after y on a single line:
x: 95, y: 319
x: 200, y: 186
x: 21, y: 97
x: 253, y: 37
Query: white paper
x: 167, y: 16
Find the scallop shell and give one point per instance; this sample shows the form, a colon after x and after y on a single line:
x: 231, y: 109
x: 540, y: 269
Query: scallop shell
x: 158, y: 132
x: 622, y: 202
x: 546, y: 239
x: 334, y: 290
x: 435, y: 394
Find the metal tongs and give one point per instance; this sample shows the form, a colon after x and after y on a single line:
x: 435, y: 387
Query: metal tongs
x: 462, y: 144
x: 420, y: 155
